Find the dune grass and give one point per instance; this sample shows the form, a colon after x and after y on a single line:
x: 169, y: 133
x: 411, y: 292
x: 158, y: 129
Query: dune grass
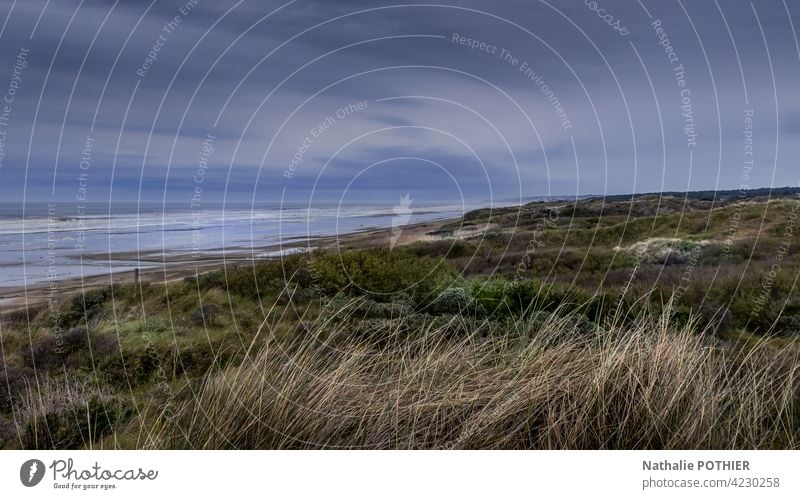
x: 524, y: 384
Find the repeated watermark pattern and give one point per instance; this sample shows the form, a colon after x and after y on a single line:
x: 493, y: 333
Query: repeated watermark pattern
x: 513, y: 108
x: 318, y: 130
x: 523, y: 67
x: 607, y: 17
x: 679, y: 74
x: 9, y: 98
x: 196, y: 199
x: 167, y: 30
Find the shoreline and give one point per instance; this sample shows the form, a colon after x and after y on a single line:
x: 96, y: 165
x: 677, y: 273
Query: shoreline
x: 170, y: 268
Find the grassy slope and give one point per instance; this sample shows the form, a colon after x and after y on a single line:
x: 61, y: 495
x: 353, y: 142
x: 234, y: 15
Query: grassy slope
x: 448, y: 343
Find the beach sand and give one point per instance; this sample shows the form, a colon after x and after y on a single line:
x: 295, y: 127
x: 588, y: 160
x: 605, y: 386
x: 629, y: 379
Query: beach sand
x: 161, y: 268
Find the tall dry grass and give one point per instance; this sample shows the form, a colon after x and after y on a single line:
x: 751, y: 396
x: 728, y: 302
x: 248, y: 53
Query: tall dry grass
x: 345, y: 383
x: 62, y: 413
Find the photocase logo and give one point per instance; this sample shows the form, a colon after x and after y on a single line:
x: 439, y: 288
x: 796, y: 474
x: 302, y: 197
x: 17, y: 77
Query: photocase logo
x: 31, y: 472
x: 402, y: 214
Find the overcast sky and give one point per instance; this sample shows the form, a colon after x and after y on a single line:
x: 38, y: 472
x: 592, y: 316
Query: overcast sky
x: 399, y: 97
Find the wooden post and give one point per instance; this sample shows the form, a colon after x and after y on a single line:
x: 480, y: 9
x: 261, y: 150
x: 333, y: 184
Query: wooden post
x: 136, y: 276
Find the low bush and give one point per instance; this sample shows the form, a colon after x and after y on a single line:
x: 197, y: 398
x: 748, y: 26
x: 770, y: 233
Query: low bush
x: 382, y: 274
x: 258, y: 279
x: 53, y: 350
x: 8, y: 433
x: 205, y: 315
x: 447, y: 248
x: 13, y: 381
x: 82, y: 308
x: 451, y: 301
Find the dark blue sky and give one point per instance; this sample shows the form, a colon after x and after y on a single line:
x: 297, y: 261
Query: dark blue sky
x: 359, y: 101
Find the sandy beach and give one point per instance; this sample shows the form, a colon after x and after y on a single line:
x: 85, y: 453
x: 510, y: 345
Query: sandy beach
x: 165, y: 268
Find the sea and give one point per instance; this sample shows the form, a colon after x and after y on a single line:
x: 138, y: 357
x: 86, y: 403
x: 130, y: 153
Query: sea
x: 52, y: 242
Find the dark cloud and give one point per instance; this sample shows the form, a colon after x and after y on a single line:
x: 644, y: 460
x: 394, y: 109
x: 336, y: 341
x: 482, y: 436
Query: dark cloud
x: 583, y: 102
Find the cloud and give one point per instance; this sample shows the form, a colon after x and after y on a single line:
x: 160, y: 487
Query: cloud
x: 259, y: 78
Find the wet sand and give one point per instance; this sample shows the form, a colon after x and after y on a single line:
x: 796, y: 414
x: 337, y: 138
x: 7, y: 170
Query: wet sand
x: 175, y: 267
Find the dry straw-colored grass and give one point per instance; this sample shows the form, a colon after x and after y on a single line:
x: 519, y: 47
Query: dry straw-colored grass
x: 61, y: 412
x: 529, y: 384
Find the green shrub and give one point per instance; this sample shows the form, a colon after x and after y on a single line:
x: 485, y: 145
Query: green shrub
x: 205, y: 315
x: 82, y: 308
x: 489, y: 294
x: 53, y: 351
x: 451, y: 301
x: 8, y: 433
x: 13, y: 381
x: 256, y: 280
x: 382, y: 273
x: 446, y: 248
x: 371, y: 309
x: 210, y: 279
x: 499, y: 297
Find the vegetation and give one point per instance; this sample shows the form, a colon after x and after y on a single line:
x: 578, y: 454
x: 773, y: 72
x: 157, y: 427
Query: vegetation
x: 645, y: 322
x: 519, y: 384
